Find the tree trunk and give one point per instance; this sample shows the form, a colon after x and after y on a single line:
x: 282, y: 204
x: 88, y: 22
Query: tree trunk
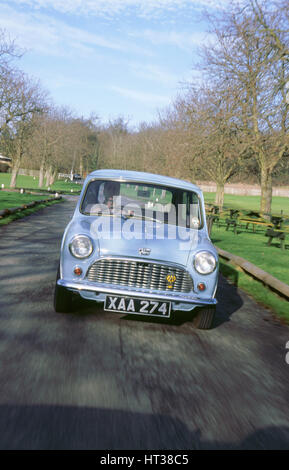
x: 52, y: 177
x: 96, y: 156
x: 73, y: 163
x: 14, y: 174
x: 41, y: 176
x: 47, y: 177
x: 219, y: 200
x: 81, y: 166
x: 266, y: 192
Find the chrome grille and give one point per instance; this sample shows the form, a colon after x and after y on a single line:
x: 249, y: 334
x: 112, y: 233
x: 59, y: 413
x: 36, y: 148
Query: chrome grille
x: 140, y: 274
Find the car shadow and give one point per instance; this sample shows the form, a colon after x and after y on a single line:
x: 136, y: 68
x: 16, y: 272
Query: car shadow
x: 228, y: 297
x: 55, y: 427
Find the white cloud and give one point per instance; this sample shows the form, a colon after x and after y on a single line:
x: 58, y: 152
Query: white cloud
x: 44, y: 33
x: 110, y: 8
x: 59, y: 81
x: 154, y: 73
x: 182, y: 40
x: 143, y: 97
x: 47, y: 35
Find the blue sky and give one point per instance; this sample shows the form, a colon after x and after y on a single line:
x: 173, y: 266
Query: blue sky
x: 109, y: 57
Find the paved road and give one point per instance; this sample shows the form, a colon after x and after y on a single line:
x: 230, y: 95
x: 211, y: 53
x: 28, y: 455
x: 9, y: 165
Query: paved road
x: 106, y: 381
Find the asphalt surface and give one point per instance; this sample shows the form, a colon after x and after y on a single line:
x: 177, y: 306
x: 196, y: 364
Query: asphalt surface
x: 101, y: 380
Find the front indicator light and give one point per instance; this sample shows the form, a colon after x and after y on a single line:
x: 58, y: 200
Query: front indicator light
x: 77, y: 271
x: 201, y: 286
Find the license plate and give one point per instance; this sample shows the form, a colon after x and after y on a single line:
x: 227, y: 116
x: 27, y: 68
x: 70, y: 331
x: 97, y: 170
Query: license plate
x: 136, y: 305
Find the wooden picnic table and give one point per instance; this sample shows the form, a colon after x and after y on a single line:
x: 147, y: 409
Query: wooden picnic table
x: 234, y: 217
x: 255, y: 222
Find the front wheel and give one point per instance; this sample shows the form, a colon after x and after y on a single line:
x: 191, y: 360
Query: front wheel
x: 205, y: 318
x: 62, y: 298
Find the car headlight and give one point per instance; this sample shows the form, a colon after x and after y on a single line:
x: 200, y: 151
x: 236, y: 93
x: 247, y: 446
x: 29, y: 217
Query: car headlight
x: 81, y: 246
x: 205, y: 262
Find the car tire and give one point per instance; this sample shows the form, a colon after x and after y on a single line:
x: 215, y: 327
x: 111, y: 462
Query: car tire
x: 204, y: 319
x: 62, y: 297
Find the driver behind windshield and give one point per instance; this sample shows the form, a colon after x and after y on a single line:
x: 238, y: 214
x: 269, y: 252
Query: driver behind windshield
x: 102, y: 195
x: 111, y: 194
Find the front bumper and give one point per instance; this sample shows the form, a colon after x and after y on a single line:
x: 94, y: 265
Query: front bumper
x: 96, y: 291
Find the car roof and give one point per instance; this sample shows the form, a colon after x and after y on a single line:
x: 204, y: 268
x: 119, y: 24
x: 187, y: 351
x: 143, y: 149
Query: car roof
x: 139, y: 176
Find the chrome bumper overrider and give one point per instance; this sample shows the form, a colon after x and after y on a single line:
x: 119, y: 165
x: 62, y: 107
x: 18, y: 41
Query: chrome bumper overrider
x: 142, y: 293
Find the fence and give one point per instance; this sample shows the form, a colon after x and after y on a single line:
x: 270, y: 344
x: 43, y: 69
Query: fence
x: 24, y: 172
x: 242, y: 189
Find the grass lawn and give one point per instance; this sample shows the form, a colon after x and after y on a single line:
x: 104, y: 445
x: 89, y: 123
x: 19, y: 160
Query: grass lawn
x: 31, y: 183
x: 257, y: 290
x: 250, y: 203
x: 252, y: 246
x: 13, y: 199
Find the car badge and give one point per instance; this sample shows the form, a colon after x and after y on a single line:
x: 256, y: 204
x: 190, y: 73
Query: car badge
x: 171, y: 279
x: 144, y: 251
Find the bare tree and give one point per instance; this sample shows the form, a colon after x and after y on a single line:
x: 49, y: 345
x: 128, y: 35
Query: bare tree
x: 9, y: 81
x: 47, y: 132
x: 246, y: 59
x: 29, y: 99
x: 63, y: 143
x: 215, y: 137
x: 8, y: 50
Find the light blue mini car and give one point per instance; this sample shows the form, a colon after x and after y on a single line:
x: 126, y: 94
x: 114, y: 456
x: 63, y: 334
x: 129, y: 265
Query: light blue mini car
x: 138, y: 243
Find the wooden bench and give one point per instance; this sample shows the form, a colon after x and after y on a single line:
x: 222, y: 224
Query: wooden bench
x: 277, y: 231
x: 233, y: 220
x: 271, y: 233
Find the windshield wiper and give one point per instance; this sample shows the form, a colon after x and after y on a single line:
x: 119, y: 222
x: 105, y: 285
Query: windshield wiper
x: 126, y: 216
x: 141, y: 217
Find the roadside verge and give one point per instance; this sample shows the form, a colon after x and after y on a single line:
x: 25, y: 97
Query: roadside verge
x: 14, y: 213
x: 264, y: 287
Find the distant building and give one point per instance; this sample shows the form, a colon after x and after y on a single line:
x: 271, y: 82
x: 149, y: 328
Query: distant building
x: 5, y: 164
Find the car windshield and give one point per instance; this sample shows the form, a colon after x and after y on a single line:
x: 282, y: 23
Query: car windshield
x: 163, y: 204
